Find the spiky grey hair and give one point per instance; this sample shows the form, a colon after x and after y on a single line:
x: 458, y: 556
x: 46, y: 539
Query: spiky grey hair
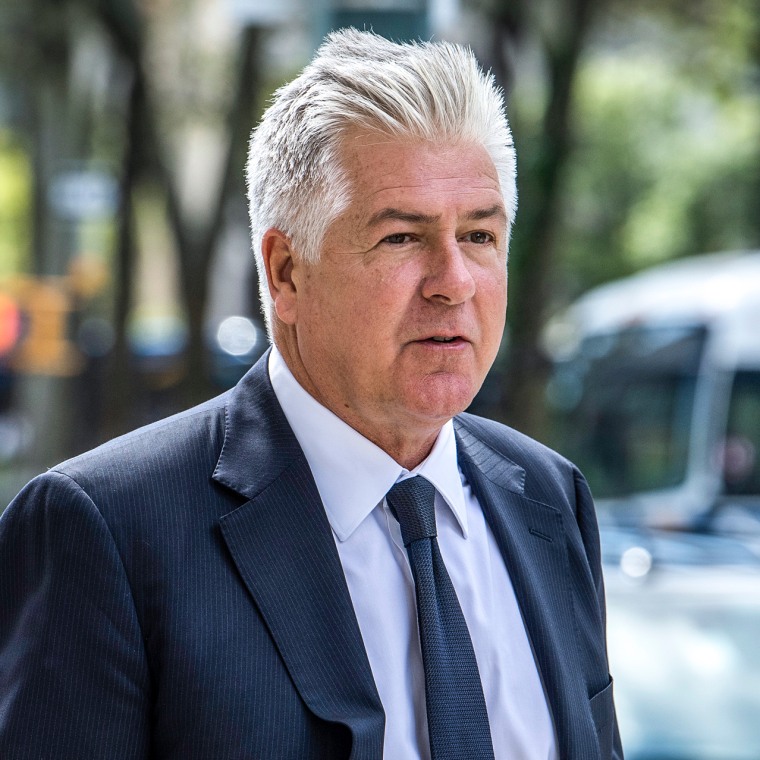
x: 430, y: 91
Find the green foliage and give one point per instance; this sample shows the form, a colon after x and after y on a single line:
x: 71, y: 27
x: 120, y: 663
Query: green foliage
x: 15, y: 206
x: 666, y: 162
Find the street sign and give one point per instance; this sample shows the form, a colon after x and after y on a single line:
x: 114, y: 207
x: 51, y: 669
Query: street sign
x: 395, y: 19
x: 262, y: 12
x: 409, y: 6
x: 79, y: 194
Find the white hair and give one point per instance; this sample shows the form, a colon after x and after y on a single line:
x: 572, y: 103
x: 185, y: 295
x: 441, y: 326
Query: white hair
x: 431, y: 91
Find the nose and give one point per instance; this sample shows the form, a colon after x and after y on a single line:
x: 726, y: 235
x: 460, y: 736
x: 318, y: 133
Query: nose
x: 448, y: 278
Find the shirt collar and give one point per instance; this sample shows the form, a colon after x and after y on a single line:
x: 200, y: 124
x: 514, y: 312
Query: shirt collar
x: 352, y: 473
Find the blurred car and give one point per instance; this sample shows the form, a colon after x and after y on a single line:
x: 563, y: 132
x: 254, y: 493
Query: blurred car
x: 683, y: 622
x: 655, y: 393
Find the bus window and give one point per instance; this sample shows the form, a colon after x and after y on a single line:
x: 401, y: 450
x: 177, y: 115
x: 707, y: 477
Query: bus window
x: 741, y: 448
x: 622, y: 407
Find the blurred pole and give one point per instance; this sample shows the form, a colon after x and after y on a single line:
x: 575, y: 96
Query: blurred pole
x: 43, y: 395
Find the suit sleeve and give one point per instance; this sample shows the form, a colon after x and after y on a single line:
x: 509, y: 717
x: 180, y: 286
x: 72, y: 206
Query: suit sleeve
x: 587, y: 522
x: 74, y: 680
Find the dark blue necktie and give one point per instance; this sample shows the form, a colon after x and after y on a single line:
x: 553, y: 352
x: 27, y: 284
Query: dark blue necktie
x: 456, y: 709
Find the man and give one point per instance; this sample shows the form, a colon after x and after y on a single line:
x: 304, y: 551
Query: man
x: 329, y: 561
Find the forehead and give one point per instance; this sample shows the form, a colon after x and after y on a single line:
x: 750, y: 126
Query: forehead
x: 415, y: 175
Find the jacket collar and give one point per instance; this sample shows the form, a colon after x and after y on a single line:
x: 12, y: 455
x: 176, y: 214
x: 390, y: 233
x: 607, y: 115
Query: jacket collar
x: 531, y: 538
x: 284, y: 549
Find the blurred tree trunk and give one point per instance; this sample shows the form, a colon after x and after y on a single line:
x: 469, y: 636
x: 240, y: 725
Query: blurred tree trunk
x: 144, y: 160
x: 122, y: 23
x: 541, y: 161
x: 120, y: 387
x: 197, y: 251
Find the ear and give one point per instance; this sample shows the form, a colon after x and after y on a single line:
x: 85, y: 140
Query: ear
x: 279, y: 260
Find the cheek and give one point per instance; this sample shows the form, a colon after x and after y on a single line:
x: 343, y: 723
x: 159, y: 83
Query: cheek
x: 493, y: 309
x: 349, y: 319
x: 382, y: 295
x: 492, y: 287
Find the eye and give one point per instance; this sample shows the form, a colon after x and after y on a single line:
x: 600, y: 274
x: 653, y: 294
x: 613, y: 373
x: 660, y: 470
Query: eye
x: 479, y: 237
x: 398, y: 238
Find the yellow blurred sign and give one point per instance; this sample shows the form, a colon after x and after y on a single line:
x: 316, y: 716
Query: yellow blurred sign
x: 38, y: 341
x: 44, y: 347
x: 10, y: 323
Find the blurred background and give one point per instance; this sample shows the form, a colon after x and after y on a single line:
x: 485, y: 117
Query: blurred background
x: 128, y: 290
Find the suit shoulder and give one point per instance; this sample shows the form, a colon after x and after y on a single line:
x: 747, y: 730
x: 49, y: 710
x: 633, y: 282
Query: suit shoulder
x: 177, y: 443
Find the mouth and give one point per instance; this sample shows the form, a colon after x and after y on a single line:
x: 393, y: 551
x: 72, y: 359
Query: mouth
x: 444, y: 340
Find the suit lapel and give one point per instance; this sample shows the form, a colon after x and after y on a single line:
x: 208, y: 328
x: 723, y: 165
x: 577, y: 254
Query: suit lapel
x: 282, y: 544
x: 531, y: 538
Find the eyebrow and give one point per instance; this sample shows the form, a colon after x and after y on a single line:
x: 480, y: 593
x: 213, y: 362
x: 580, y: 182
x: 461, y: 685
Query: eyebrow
x: 497, y: 210
x: 475, y: 215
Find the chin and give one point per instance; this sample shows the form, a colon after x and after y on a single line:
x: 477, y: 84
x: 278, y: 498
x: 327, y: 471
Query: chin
x: 442, y: 398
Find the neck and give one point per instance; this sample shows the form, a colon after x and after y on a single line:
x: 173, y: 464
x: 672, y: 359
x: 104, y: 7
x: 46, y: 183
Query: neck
x: 407, y: 442
x: 408, y: 453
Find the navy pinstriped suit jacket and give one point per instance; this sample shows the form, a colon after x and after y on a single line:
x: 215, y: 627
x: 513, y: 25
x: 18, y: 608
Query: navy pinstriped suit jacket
x: 177, y: 593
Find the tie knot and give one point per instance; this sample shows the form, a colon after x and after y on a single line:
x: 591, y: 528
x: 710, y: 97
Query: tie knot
x: 411, y: 502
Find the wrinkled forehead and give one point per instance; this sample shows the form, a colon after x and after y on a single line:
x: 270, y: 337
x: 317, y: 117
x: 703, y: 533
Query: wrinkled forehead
x: 373, y: 163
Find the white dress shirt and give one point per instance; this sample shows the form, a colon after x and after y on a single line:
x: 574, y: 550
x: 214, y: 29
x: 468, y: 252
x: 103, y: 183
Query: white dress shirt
x: 353, y: 475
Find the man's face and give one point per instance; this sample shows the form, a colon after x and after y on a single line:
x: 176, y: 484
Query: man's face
x: 397, y: 324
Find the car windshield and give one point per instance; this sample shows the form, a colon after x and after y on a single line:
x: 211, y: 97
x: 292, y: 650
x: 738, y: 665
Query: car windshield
x: 622, y: 407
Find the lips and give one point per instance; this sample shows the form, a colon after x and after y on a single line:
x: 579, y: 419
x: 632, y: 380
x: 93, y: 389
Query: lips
x: 443, y: 341
x: 441, y: 336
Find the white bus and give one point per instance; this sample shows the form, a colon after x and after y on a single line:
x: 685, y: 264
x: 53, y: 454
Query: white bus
x: 656, y: 393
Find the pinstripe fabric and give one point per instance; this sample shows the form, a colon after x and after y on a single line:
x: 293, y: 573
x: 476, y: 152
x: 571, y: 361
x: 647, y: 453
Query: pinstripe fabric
x: 126, y: 629
x: 544, y: 522
x: 176, y: 593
